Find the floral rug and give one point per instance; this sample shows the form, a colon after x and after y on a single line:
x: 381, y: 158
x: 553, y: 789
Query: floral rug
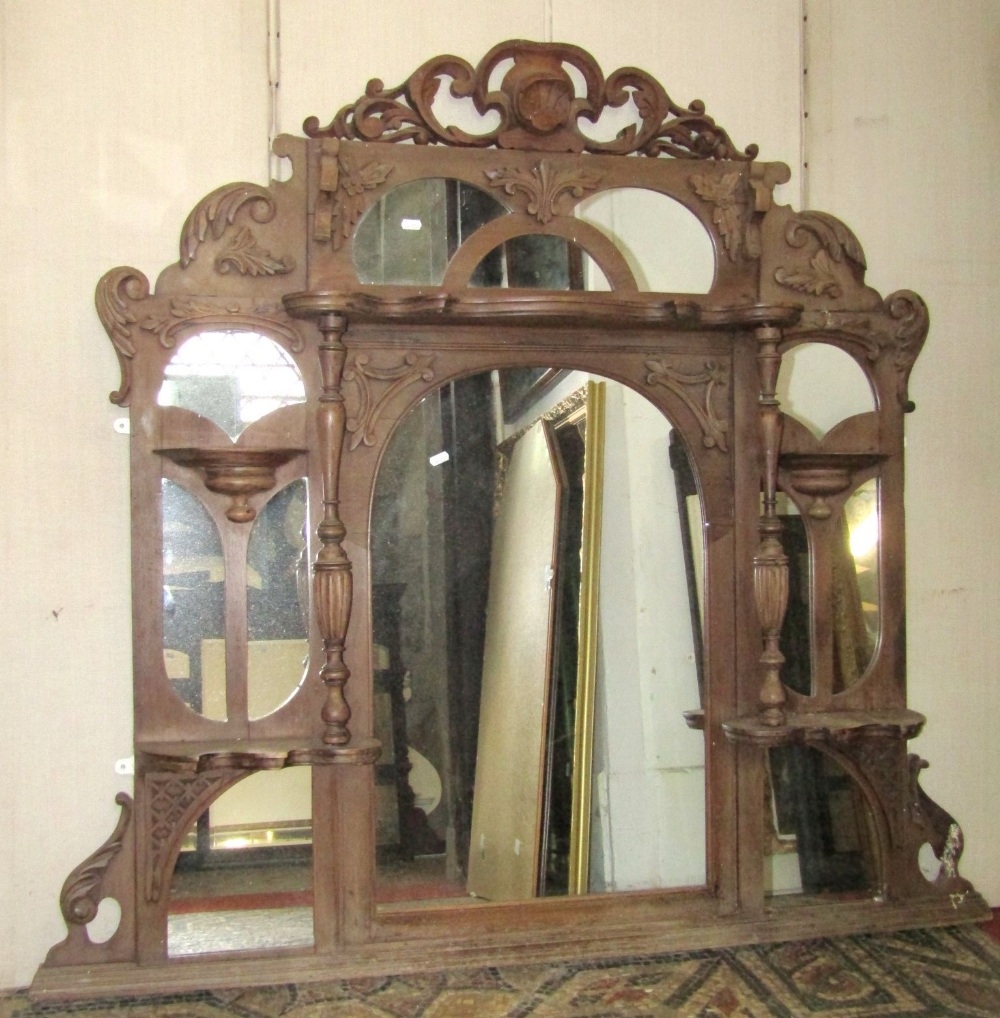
x: 916, y: 974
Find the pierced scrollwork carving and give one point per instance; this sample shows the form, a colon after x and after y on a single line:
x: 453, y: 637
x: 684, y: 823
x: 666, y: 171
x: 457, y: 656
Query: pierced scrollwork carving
x: 217, y: 211
x: 537, y: 105
x: 81, y: 891
x: 733, y: 212
x: 245, y: 255
x: 114, y: 292
x: 342, y: 187
x: 713, y: 376
x: 939, y: 828
x: 173, y: 801
x: 544, y: 186
x: 362, y: 421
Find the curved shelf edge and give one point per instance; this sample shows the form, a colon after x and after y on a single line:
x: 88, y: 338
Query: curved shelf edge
x: 825, y: 727
x: 259, y: 755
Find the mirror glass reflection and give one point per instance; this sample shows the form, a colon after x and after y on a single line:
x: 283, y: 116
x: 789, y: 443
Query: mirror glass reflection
x: 278, y: 600
x: 477, y: 544
x: 194, y: 575
x: 822, y: 833
x: 232, y: 377
x: 243, y: 878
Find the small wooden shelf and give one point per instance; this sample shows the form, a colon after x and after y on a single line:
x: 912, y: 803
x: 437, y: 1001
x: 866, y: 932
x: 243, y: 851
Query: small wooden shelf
x: 825, y: 727
x: 252, y: 755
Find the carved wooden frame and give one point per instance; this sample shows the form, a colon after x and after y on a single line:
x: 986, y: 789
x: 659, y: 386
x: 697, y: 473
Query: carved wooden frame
x: 278, y: 259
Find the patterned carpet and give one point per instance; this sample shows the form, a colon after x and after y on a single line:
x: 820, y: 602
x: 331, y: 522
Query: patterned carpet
x: 916, y: 974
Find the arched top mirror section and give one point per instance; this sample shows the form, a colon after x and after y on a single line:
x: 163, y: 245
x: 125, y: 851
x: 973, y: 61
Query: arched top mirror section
x: 232, y: 377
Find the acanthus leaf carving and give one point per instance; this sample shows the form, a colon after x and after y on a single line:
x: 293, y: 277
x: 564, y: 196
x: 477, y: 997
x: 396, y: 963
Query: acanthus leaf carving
x: 834, y: 237
x: 544, y: 185
x: 819, y: 282
x: 537, y: 107
x: 247, y: 257
x: 81, y: 891
x: 714, y: 429
x: 362, y: 420
x: 342, y: 193
x: 732, y: 212
x: 114, y: 292
x: 908, y: 309
x: 216, y: 212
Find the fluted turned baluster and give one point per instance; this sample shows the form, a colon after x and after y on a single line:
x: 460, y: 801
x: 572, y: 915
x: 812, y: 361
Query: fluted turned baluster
x: 770, y: 565
x: 332, y: 582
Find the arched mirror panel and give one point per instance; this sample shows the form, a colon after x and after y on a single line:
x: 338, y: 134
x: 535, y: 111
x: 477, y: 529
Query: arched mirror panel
x: 666, y: 246
x: 231, y: 377
x: 822, y: 385
x: 194, y: 602
x: 526, y: 750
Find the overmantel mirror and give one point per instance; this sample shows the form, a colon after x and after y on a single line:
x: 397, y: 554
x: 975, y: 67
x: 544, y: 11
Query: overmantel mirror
x: 509, y: 579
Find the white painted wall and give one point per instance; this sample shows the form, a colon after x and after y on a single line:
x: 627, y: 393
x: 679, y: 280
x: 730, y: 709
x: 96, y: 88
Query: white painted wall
x: 118, y: 116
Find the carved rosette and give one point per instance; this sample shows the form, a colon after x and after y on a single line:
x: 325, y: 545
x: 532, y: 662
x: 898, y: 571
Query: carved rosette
x: 363, y: 418
x: 537, y: 105
x: 544, y: 186
x: 712, y: 377
x: 81, y: 892
x: 115, y: 291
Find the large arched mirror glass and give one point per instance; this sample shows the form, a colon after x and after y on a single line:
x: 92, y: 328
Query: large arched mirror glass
x: 503, y: 600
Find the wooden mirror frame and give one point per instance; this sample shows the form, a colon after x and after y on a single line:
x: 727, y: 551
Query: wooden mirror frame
x: 277, y: 260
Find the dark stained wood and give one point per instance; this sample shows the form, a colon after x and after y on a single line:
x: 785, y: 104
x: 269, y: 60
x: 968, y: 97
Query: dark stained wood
x: 278, y: 261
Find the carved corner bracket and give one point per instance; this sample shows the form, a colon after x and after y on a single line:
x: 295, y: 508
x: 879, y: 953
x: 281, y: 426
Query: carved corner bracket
x: 537, y: 105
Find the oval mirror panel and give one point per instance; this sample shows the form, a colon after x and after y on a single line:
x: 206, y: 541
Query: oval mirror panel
x: 515, y: 592
x: 194, y: 576
x: 278, y: 588
x: 231, y: 377
x: 857, y: 620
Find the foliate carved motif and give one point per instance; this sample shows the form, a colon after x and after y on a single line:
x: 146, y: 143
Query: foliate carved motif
x: 538, y: 107
x: 186, y: 311
x: 81, y: 891
x: 712, y: 376
x: 363, y: 418
x: 732, y: 213
x: 544, y: 186
x: 173, y: 801
x: 216, y: 212
x: 342, y: 187
x: 937, y: 826
x: 836, y: 245
x: 244, y: 255
x: 114, y: 292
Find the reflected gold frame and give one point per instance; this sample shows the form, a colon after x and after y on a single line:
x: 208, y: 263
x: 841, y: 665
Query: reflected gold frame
x: 586, y: 671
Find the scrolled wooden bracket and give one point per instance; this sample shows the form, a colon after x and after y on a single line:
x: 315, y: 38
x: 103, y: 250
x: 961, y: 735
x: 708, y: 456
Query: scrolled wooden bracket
x: 332, y: 579
x: 770, y: 564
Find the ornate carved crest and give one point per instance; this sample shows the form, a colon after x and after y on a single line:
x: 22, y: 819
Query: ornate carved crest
x: 217, y: 211
x: 836, y: 246
x: 537, y: 105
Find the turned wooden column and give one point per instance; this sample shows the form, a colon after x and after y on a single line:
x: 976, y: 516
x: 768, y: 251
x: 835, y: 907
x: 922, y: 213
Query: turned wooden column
x: 332, y: 582
x: 770, y: 564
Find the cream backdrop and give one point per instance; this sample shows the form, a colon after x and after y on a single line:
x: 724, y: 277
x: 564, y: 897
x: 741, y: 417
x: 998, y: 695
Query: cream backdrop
x: 118, y: 115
